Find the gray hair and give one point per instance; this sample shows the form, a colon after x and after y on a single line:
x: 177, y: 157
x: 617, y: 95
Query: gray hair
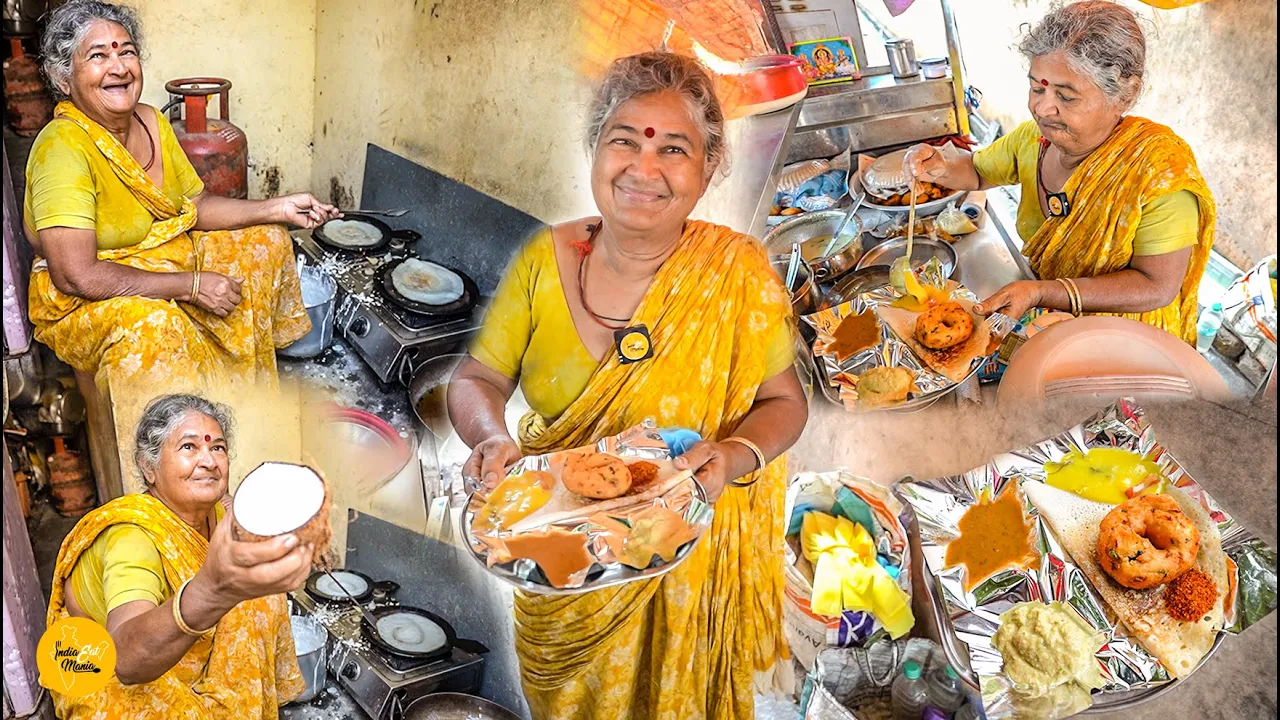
x: 66, y: 28
x: 1101, y: 39
x: 163, y: 416
x: 655, y: 72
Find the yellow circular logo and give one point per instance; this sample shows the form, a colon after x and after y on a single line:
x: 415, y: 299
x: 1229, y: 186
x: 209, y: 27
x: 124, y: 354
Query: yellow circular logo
x: 634, y: 346
x: 76, y: 656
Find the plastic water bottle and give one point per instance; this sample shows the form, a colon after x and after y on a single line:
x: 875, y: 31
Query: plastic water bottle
x: 1207, y: 328
x: 910, y: 693
x: 944, y: 689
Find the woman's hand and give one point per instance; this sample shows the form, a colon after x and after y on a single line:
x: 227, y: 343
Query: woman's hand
x: 237, y: 571
x: 715, y: 464
x: 925, y: 162
x: 218, y: 293
x: 304, y: 210
x: 1012, y: 300
x: 490, y: 459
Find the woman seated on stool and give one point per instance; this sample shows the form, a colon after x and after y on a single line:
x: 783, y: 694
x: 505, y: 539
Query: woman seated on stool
x: 199, y: 620
x: 143, y: 278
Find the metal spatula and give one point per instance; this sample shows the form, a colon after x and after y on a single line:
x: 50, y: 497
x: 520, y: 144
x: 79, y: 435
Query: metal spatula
x: 373, y: 623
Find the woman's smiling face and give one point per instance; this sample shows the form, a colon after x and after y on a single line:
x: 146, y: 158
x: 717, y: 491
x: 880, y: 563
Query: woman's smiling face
x: 106, y: 72
x: 194, y: 462
x: 650, y: 167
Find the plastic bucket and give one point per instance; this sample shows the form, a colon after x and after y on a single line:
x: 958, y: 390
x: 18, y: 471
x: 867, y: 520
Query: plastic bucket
x: 318, y: 292
x: 310, y: 641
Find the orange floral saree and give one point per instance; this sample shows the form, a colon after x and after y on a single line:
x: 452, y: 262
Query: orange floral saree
x: 138, y: 347
x: 245, y: 669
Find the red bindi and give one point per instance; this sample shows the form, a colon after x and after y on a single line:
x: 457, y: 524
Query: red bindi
x: 207, y: 438
x: 115, y: 44
x: 648, y: 132
x: 1044, y: 83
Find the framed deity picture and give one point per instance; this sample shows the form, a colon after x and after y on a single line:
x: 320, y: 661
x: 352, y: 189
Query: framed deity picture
x: 827, y: 61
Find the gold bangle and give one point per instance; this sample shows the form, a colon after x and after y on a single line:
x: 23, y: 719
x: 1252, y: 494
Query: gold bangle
x: 1073, y: 303
x: 1075, y: 292
x: 177, y: 615
x: 195, y: 285
x: 756, y: 451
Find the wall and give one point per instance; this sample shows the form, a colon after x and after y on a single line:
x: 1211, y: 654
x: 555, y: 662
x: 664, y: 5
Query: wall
x: 268, y: 52
x: 482, y: 94
x: 1211, y: 76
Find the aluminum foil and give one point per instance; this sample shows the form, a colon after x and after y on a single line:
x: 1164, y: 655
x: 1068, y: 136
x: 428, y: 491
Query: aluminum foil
x: 638, y: 443
x: 1130, y: 672
x: 890, y: 351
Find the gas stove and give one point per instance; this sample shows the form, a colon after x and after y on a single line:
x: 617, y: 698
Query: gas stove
x: 382, y: 684
x: 392, y: 340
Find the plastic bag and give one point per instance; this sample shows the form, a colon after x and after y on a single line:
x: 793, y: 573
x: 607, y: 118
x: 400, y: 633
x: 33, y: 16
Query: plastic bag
x: 807, y: 632
x: 851, y: 683
x: 953, y: 220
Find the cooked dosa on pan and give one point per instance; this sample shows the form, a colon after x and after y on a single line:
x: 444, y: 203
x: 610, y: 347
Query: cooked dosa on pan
x: 352, y: 233
x: 426, y: 282
x: 1179, y: 646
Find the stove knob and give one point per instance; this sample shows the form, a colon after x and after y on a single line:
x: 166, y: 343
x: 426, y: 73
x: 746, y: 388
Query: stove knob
x: 359, y: 327
x: 351, y: 671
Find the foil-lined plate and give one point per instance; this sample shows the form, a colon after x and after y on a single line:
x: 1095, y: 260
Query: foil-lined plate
x: 970, y: 619
x: 687, y: 498
x: 890, y: 351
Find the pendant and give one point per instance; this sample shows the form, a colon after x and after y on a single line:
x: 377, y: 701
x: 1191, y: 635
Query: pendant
x: 633, y: 344
x: 1058, y: 204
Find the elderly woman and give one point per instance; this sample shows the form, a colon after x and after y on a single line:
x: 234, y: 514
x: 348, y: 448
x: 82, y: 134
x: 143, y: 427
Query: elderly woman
x: 690, y: 644
x: 161, y: 571
x: 1115, y: 216
x: 143, y: 277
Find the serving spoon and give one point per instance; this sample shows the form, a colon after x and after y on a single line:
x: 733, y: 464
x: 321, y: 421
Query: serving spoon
x: 833, y: 243
x: 902, y: 266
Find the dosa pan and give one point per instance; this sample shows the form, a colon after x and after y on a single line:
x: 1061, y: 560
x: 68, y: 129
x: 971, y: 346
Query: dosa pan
x: 427, y: 653
x: 461, y: 306
x: 320, y: 235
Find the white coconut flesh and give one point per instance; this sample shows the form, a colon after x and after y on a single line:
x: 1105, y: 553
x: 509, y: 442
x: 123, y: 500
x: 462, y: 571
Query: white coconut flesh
x: 352, y: 233
x: 329, y: 588
x: 277, y: 498
x: 411, y: 633
x: 426, y: 282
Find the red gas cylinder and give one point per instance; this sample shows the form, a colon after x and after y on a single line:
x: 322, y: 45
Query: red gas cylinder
x: 218, y: 150
x: 27, y: 104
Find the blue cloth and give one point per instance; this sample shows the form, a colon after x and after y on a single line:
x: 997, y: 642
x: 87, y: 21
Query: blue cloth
x: 679, y: 440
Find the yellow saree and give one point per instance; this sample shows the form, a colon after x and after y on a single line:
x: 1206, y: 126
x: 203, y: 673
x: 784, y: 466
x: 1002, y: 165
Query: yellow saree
x: 137, y: 347
x: 245, y: 669
x: 1142, y: 160
x: 690, y: 644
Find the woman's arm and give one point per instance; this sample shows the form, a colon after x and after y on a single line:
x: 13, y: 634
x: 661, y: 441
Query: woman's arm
x: 1149, y: 283
x: 774, y: 423
x: 477, y: 399
x: 148, y: 641
x: 214, y: 212
x: 76, y: 270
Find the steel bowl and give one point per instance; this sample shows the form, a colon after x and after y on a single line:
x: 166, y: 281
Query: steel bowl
x: 456, y: 706
x: 933, y: 207
x: 923, y: 248
x: 804, y: 290
x: 814, y: 230
x: 852, y: 285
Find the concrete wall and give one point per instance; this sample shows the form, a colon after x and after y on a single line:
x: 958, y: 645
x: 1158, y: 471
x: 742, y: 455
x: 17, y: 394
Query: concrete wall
x: 1211, y: 76
x: 484, y: 94
x: 268, y: 52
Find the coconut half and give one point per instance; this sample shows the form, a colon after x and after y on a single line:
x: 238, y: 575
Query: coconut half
x: 278, y: 498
